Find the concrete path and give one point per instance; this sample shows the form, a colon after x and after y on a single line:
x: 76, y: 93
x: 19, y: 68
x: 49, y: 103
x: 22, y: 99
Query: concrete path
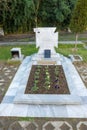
x: 33, y: 42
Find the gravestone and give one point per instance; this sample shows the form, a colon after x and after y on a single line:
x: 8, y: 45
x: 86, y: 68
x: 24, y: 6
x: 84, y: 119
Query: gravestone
x: 46, y: 39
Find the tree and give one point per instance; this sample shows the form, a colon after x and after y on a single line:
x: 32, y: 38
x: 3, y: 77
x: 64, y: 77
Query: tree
x: 46, y: 13
x: 56, y: 12
x: 23, y: 15
x: 78, y: 22
x: 36, y: 5
x: 62, y: 10
x: 16, y: 15
x: 66, y: 22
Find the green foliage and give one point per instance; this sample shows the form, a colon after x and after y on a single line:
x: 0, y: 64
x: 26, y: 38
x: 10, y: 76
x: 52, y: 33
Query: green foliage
x: 70, y: 6
x: 27, y: 50
x: 31, y: 119
x: 62, y: 10
x: 47, y: 78
x: 34, y: 88
x: 23, y: 15
x: 36, y: 77
x: 67, y: 49
x: 36, y: 81
x: 47, y: 81
x: 36, y: 73
x: 56, y: 12
x: 56, y: 72
x: 79, y: 18
x: 16, y: 15
x: 39, y: 67
x: 36, y: 5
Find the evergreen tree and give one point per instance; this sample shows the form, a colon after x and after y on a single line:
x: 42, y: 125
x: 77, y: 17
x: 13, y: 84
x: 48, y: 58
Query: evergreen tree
x: 16, y: 15
x: 66, y: 21
x: 55, y: 13
x: 36, y: 5
x: 46, y: 13
x: 24, y: 15
x: 62, y: 10
x: 79, y: 18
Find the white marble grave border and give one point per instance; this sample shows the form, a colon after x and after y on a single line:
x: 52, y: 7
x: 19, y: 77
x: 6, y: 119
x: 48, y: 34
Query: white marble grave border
x: 18, y: 85
x: 73, y: 98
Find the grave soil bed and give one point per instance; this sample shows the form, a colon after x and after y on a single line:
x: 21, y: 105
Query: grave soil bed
x: 45, y: 79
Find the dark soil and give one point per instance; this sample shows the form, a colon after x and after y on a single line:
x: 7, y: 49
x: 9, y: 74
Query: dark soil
x: 38, y: 83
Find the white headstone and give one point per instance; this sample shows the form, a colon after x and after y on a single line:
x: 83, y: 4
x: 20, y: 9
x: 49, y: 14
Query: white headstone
x: 46, y: 38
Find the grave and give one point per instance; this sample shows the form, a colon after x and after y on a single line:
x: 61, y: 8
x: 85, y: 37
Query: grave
x: 18, y: 104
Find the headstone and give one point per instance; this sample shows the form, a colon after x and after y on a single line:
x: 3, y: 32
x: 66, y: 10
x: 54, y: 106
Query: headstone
x: 46, y: 39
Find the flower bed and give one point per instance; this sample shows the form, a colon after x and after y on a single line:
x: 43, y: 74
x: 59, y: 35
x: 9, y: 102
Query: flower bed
x: 45, y: 79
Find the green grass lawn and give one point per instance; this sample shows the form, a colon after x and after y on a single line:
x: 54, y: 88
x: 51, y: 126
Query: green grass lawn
x: 5, y: 52
x: 67, y: 49
x: 64, y: 49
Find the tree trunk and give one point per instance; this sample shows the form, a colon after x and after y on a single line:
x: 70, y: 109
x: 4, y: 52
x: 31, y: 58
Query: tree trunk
x: 76, y: 42
x: 36, y: 21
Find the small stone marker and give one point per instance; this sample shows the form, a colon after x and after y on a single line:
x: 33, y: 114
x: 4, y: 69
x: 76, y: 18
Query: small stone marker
x: 16, y: 54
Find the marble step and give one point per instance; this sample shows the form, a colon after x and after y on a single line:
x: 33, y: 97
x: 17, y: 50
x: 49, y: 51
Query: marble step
x: 48, y: 99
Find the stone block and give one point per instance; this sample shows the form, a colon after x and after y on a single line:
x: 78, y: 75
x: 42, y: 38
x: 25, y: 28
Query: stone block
x: 47, y: 99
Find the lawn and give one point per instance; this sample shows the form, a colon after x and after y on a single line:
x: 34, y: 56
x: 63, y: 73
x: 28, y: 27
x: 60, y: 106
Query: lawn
x: 5, y: 53
x: 64, y: 49
x: 67, y: 49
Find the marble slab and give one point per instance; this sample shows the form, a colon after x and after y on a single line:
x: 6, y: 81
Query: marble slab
x: 47, y: 99
x: 17, y: 104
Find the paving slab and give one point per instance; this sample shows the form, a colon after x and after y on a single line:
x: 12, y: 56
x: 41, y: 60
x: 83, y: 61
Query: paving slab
x: 8, y: 99
x: 76, y: 111
x: 6, y: 109
x: 47, y: 111
x: 19, y: 110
